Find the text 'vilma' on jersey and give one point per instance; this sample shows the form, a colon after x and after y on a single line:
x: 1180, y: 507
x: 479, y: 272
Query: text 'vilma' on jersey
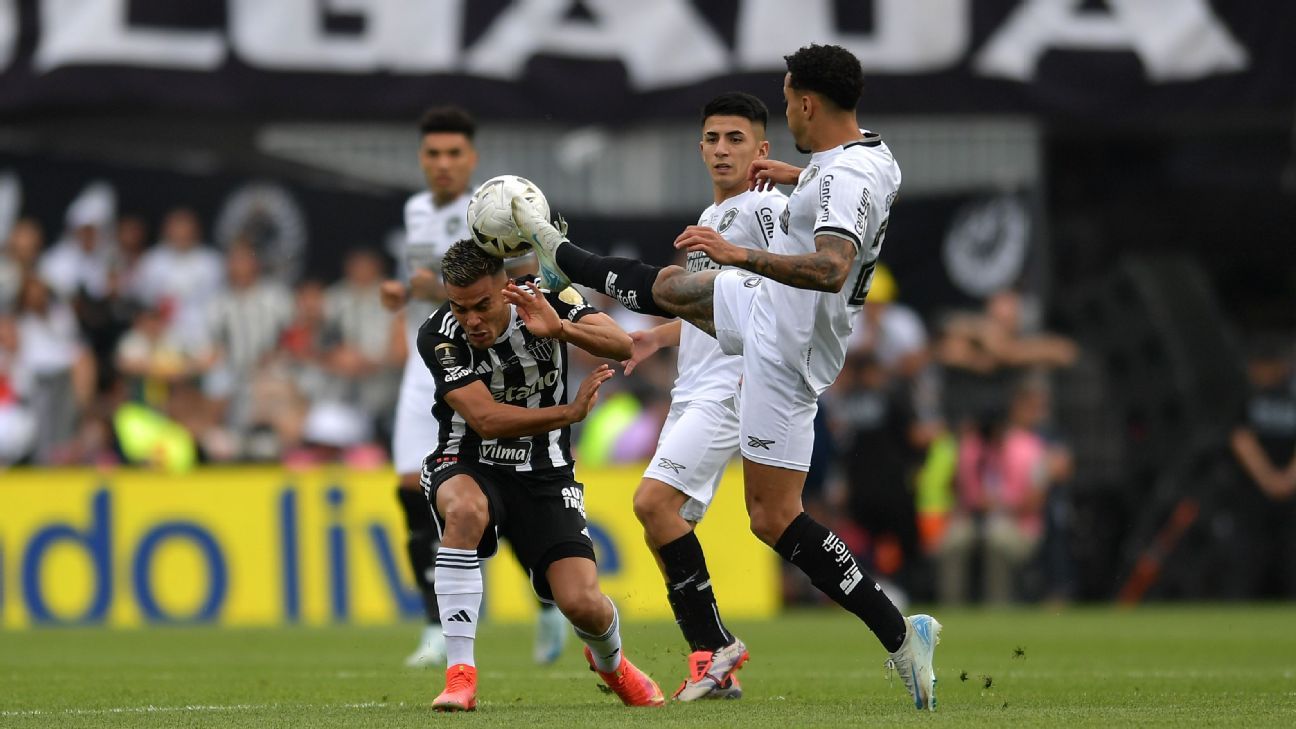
x: 748, y: 220
x: 846, y: 192
x: 520, y: 370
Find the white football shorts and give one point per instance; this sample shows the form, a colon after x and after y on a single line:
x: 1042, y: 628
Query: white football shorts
x: 697, y: 441
x: 414, y: 434
x: 776, y: 407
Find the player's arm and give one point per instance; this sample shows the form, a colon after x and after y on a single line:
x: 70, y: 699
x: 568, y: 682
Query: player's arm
x: 646, y: 343
x: 592, y: 331
x: 491, y: 419
x: 824, y: 270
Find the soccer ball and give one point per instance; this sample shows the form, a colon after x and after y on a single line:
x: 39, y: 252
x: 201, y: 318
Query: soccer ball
x: 490, y: 214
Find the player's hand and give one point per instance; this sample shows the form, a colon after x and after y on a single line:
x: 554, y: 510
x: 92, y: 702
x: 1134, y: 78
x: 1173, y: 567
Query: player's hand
x: 392, y: 294
x: 707, y: 240
x: 643, y: 345
x: 426, y: 285
x: 537, y: 313
x: 587, y: 395
x: 764, y: 174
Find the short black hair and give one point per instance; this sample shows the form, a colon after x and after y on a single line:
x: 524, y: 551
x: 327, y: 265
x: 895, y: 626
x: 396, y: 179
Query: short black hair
x: 737, y: 103
x: 465, y: 263
x: 831, y: 71
x: 451, y: 119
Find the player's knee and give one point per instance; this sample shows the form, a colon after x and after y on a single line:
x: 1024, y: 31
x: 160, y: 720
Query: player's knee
x: 586, y: 609
x: 466, y: 515
x: 769, y: 521
x: 648, y: 504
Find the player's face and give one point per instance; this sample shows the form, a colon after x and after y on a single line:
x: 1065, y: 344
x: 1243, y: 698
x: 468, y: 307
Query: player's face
x: 448, y: 160
x: 798, y: 116
x: 729, y: 144
x: 480, y: 308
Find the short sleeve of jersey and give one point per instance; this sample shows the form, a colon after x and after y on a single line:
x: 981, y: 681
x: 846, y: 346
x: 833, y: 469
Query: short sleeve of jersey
x: 445, y: 352
x: 759, y: 220
x: 845, y: 203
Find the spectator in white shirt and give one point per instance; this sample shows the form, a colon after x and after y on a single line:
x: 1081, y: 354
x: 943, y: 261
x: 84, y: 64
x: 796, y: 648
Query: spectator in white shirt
x: 77, y: 265
x: 62, y: 371
x: 180, y: 276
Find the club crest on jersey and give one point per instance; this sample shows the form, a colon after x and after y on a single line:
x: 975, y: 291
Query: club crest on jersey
x: 452, y: 225
x: 785, y: 218
x: 446, y: 355
x: 505, y: 454
x: 727, y: 220
x: 541, y: 349
x: 807, y: 175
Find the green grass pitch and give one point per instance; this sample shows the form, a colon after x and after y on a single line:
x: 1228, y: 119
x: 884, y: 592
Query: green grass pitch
x: 1156, y: 666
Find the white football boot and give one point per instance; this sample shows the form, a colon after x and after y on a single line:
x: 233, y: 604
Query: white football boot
x: 914, y: 660
x: 545, y: 239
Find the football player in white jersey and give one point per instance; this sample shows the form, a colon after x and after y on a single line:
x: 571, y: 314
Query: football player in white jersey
x: 789, y: 314
x: 434, y: 220
x: 701, y: 431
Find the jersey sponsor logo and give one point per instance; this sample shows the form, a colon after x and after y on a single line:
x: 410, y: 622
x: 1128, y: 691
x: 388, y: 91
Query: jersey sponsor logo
x: 667, y: 464
x: 700, y: 261
x: 861, y: 214
x: 456, y: 373
x: 825, y: 197
x: 807, y: 175
x: 522, y: 392
x: 727, y: 220
x: 499, y: 454
x: 574, y: 498
x: 754, y: 442
x: 765, y: 216
x: 446, y: 355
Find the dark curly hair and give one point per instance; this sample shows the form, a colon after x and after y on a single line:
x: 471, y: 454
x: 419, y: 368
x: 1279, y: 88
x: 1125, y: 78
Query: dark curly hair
x: 831, y: 71
x: 465, y: 263
x: 451, y: 119
x: 739, y: 104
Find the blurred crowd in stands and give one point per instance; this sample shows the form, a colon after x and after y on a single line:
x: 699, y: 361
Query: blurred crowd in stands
x: 939, y: 452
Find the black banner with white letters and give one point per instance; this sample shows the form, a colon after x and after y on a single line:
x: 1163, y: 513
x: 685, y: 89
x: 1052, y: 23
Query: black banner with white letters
x: 628, y: 60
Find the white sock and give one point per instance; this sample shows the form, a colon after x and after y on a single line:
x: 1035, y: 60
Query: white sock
x: 459, y: 590
x: 605, y: 648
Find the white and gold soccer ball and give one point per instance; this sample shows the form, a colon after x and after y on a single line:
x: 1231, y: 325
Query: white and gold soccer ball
x: 490, y: 214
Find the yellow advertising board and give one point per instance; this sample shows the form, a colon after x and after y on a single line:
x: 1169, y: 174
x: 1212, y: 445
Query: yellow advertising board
x: 266, y: 546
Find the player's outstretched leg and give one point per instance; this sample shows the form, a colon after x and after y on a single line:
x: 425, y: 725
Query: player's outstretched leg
x: 774, y: 504
x: 668, y: 291
x: 574, y: 583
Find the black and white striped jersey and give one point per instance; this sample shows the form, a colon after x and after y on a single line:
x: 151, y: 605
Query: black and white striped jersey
x: 520, y: 369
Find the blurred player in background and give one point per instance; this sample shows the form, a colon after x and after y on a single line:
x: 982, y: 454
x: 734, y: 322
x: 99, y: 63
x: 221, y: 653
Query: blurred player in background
x: 503, y: 465
x: 790, y: 323
x: 434, y: 219
x: 701, y: 431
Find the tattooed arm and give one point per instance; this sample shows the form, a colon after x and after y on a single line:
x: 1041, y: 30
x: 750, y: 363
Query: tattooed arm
x: 824, y: 270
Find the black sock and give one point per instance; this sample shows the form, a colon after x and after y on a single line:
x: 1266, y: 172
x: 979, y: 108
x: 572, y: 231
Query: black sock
x: 688, y: 587
x: 420, y: 545
x: 624, y: 279
x: 831, y: 567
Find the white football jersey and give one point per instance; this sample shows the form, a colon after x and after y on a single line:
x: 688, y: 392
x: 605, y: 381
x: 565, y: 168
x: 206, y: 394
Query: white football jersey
x: 847, y: 192
x: 429, y: 233
x: 747, y: 219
